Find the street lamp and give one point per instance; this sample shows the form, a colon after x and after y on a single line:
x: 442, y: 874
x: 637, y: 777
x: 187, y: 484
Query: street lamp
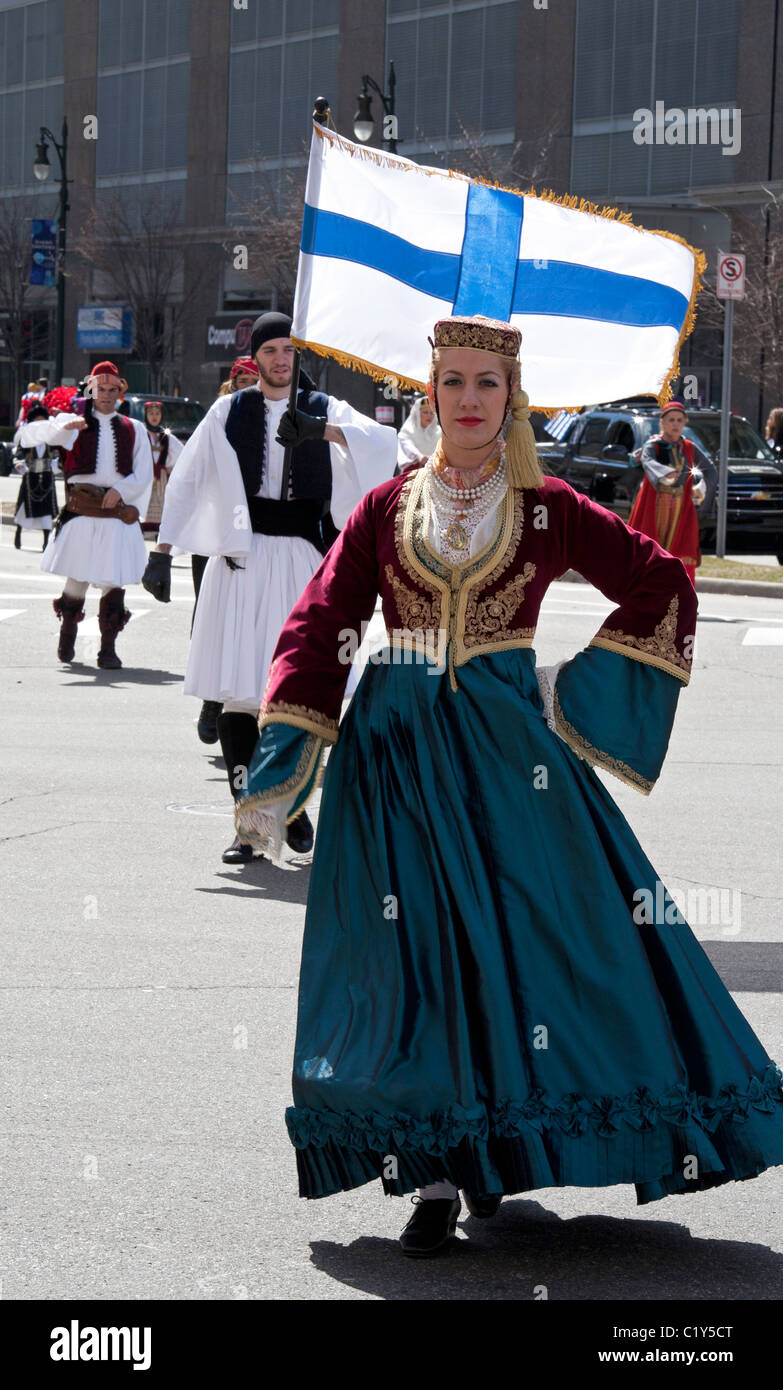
x: 41, y: 169
x: 363, y: 124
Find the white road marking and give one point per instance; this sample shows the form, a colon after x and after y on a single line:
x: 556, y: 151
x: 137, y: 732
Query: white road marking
x: 10, y: 613
x: 763, y: 637
x: 89, y: 626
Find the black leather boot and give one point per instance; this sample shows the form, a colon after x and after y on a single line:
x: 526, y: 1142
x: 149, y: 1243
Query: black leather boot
x: 18, y: 538
x: 112, y: 617
x: 46, y: 535
x: 70, y: 613
x: 238, y: 735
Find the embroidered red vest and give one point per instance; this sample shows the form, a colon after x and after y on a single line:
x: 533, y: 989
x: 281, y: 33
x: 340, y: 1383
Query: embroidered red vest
x: 82, y: 458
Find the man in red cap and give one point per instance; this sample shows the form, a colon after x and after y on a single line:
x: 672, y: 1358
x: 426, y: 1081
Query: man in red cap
x: 228, y: 499
x: 97, y: 538
x: 677, y: 474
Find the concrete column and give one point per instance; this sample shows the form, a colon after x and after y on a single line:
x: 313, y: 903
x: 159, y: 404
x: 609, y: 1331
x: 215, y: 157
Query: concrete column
x: 545, y: 85
x: 205, y: 198
x: 80, y: 99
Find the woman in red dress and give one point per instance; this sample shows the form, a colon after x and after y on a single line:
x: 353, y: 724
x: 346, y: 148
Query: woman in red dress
x: 672, y: 488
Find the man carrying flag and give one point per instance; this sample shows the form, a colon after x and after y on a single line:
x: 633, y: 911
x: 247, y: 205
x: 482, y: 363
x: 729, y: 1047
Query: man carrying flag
x: 227, y: 499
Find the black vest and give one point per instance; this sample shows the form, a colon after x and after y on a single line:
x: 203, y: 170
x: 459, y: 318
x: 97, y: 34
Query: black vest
x: 311, y: 464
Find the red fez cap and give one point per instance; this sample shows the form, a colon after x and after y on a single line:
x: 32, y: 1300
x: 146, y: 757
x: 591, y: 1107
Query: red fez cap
x: 673, y: 405
x: 105, y: 369
x: 147, y: 404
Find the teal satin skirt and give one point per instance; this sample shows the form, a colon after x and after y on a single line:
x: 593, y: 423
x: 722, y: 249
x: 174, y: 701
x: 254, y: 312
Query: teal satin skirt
x: 477, y: 1001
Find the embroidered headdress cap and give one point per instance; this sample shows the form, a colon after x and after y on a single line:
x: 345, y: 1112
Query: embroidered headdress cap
x: 480, y: 333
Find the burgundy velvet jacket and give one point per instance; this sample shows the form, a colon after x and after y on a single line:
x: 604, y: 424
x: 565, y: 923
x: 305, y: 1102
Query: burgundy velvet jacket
x: 487, y: 604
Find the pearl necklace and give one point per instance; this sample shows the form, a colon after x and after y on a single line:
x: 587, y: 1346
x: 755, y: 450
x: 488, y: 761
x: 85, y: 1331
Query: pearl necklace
x: 458, y: 511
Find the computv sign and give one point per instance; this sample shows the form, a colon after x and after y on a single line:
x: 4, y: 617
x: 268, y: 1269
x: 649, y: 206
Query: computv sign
x: 228, y: 336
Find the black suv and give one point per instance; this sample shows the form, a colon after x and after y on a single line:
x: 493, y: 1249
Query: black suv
x: 180, y: 413
x: 600, y: 455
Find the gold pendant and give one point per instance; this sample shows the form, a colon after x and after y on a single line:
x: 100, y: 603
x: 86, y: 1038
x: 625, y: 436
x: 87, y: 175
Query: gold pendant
x: 456, y: 536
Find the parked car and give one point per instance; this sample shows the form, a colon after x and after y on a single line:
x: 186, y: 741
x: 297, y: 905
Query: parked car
x: 600, y: 456
x: 181, y: 415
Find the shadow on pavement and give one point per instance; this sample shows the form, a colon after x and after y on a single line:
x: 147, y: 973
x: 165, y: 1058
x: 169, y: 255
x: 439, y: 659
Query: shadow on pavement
x: 585, y: 1257
x: 262, y: 879
x: 747, y: 967
x: 133, y: 675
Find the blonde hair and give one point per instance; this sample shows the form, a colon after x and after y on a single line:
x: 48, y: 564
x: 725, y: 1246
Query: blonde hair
x: 774, y: 423
x: 522, y: 465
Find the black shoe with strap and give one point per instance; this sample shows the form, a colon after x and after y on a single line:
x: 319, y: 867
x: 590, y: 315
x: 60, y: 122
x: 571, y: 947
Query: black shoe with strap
x: 299, y: 834
x: 482, y: 1207
x: 430, y: 1228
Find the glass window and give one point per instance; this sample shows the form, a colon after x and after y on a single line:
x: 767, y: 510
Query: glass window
x: 35, y: 44
x: 456, y: 70
x: 54, y: 38
x: 14, y: 46
x: 631, y: 54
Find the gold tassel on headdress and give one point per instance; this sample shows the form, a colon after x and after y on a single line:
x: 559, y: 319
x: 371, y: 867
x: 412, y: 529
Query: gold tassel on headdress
x: 522, y: 466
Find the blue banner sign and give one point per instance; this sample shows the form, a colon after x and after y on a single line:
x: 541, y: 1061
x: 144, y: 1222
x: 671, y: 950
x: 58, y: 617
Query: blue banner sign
x: 43, y: 258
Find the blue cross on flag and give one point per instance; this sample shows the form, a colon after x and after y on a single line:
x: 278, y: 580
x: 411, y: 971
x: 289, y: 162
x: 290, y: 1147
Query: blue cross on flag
x: 389, y: 246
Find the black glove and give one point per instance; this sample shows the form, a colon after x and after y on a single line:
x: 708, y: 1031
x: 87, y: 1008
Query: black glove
x: 157, y: 576
x: 295, y: 427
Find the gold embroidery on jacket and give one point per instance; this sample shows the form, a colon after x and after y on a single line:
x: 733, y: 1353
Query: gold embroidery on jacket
x: 415, y: 610
x: 314, y: 721
x: 659, y: 650
x: 490, y: 617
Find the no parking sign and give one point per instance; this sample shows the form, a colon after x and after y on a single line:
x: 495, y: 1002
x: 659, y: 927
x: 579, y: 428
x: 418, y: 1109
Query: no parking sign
x: 731, y: 276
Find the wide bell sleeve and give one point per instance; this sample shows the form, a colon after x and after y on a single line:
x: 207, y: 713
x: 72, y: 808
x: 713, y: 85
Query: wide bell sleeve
x: 614, y: 703
x: 205, y: 509
x: 367, y: 459
x: 300, y: 710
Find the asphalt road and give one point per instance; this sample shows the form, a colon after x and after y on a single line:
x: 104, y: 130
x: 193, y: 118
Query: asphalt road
x: 149, y: 993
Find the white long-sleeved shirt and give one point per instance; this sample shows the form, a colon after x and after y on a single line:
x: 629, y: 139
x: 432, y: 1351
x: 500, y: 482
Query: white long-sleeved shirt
x: 205, y: 507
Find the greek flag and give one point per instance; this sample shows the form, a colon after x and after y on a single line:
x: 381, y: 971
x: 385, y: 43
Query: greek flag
x: 558, y: 426
x: 389, y: 246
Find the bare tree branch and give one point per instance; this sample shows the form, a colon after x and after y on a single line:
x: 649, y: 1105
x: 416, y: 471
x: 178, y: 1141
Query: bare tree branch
x: 272, y: 222
x: 137, y: 246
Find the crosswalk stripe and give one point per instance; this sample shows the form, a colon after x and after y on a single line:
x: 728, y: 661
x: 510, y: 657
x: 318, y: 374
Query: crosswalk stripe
x: 89, y: 626
x: 10, y: 613
x: 763, y: 637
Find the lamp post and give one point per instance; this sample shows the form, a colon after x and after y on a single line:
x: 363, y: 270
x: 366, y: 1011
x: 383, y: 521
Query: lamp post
x: 41, y: 170
x: 363, y: 124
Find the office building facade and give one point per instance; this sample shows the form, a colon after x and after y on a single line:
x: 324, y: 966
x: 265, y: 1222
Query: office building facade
x: 203, y: 107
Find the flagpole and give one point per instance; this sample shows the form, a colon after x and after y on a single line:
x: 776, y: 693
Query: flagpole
x: 321, y: 115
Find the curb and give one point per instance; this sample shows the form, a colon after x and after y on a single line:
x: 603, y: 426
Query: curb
x: 749, y: 588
